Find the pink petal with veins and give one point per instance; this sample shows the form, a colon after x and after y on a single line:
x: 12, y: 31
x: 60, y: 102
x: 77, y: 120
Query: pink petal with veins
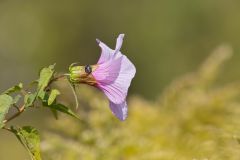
x: 119, y: 110
x: 114, y: 75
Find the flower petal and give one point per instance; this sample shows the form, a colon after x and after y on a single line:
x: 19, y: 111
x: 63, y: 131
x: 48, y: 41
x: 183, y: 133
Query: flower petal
x: 107, y: 53
x: 119, y: 110
x: 119, y: 43
x: 114, y: 78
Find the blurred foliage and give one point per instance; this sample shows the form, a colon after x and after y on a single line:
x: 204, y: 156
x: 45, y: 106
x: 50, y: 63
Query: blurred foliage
x: 159, y: 35
x: 193, y: 119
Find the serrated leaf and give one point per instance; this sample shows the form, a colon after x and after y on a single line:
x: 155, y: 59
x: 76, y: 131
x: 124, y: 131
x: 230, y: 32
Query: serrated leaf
x: 54, y: 93
x: 30, y: 139
x: 29, y: 99
x: 13, y: 89
x: 45, y: 77
x: 5, y: 103
x: 63, y: 109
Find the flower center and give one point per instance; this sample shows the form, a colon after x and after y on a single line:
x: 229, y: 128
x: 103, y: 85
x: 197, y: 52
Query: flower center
x: 88, y: 69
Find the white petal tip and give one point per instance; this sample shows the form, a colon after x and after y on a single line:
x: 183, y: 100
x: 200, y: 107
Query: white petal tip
x: 98, y: 41
x: 121, y: 35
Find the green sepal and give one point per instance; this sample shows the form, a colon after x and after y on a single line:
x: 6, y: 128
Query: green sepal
x: 73, y: 89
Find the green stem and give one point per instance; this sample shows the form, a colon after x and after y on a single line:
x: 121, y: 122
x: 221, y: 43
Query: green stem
x: 57, y: 78
x: 74, y: 93
x: 20, y: 110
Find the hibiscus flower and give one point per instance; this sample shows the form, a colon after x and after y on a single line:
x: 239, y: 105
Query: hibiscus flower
x: 112, y: 74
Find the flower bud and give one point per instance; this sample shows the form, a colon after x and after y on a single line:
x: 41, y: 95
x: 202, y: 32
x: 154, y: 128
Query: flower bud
x: 82, y: 74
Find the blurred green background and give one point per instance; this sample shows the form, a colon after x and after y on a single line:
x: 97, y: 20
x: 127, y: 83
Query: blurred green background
x: 164, y: 39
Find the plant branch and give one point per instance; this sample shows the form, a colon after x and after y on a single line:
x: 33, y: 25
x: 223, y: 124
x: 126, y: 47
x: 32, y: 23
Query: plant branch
x: 15, y: 106
x: 8, y: 129
x: 21, y: 109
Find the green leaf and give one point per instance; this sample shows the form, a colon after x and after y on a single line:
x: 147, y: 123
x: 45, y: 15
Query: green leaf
x: 43, y: 96
x: 13, y: 89
x: 45, y: 77
x: 54, y: 93
x: 5, y: 103
x: 63, y: 109
x: 29, y: 99
x: 55, y: 113
x: 30, y: 139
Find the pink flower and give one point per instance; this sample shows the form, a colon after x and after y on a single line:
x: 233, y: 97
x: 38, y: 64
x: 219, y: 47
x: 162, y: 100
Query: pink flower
x: 112, y: 74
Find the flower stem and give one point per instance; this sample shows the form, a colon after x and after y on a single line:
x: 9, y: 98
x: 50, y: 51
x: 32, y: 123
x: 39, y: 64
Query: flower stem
x: 57, y: 78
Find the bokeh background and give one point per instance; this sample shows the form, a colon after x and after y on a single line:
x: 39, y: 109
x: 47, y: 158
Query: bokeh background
x: 164, y: 39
